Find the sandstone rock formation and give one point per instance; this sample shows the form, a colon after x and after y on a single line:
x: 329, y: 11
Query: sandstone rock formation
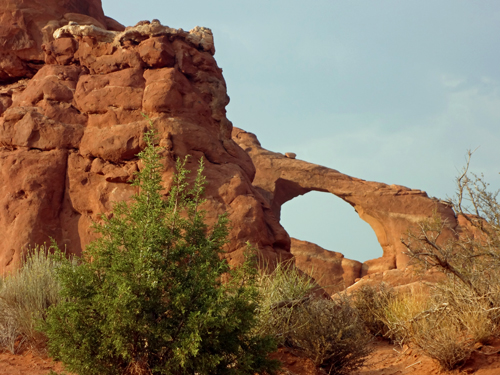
x: 329, y: 268
x: 69, y: 135
x: 389, y: 209
x: 26, y: 25
x: 73, y: 87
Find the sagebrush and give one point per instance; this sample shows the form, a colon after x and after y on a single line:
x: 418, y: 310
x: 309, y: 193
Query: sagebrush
x: 331, y: 333
x: 282, y: 290
x: 371, y: 302
x: 301, y: 318
x: 465, y: 307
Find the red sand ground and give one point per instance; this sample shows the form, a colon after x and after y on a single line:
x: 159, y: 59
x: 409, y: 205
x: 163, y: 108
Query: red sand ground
x: 390, y: 360
x: 385, y: 360
x: 26, y: 364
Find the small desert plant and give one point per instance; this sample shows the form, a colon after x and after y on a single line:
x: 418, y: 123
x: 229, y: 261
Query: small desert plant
x: 400, y: 310
x: 465, y: 308
x: 25, y: 296
x: 331, y: 333
x: 443, y: 326
x: 282, y: 289
x: 473, y: 314
x: 148, y: 298
x: 439, y: 333
x: 370, y: 302
x: 471, y: 256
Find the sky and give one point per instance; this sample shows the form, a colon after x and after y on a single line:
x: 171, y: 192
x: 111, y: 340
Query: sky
x: 384, y: 90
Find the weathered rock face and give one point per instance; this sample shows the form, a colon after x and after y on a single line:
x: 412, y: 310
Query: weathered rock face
x: 26, y: 25
x: 330, y: 269
x: 73, y: 87
x: 389, y: 209
x: 69, y: 135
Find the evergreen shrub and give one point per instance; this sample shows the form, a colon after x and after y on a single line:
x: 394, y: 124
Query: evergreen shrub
x: 148, y: 298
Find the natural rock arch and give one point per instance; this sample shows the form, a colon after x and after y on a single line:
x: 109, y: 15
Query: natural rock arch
x: 391, y: 210
x: 331, y: 223
x: 70, y: 125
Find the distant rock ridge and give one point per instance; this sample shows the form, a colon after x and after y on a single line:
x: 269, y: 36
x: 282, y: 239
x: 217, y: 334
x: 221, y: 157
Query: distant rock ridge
x: 73, y: 87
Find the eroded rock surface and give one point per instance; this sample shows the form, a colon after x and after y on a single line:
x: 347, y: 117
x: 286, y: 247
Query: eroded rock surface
x: 73, y: 86
x: 330, y: 269
x: 26, y: 25
x: 389, y: 209
x: 69, y: 135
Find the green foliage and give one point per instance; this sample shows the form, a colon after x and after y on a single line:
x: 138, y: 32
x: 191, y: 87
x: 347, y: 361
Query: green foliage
x: 147, y: 297
x: 25, y: 296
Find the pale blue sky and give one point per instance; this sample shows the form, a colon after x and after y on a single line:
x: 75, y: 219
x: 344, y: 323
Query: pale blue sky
x: 384, y: 90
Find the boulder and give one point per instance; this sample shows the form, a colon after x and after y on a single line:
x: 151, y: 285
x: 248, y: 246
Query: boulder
x: 328, y: 268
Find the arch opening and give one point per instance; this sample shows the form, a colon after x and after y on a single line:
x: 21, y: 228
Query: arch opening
x: 331, y: 223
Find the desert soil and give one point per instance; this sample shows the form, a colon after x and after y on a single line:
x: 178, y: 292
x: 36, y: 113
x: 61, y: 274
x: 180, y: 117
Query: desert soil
x: 386, y: 359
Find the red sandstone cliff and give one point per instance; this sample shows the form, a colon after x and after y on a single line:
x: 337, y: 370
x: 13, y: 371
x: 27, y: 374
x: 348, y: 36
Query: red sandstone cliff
x: 69, y: 134
x: 73, y: 85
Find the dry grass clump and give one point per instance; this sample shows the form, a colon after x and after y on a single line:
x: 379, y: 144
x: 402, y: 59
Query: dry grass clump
x: 444, y: 323
x: 477, y: 315
x: 370, y: 303
x: 282, y: 290
x: 330, y: 332
x: 25, y: 296
x: 439, y: 334
x: 400, y: 311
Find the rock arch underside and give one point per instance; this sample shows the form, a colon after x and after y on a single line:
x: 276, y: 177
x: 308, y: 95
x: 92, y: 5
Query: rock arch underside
x: 73, y: 85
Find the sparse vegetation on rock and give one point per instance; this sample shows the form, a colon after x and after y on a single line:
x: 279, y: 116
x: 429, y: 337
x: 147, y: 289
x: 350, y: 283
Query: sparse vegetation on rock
x: 464, y: 309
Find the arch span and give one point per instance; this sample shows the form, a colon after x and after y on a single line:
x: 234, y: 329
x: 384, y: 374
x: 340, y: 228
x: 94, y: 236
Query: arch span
x: 390, y: 210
